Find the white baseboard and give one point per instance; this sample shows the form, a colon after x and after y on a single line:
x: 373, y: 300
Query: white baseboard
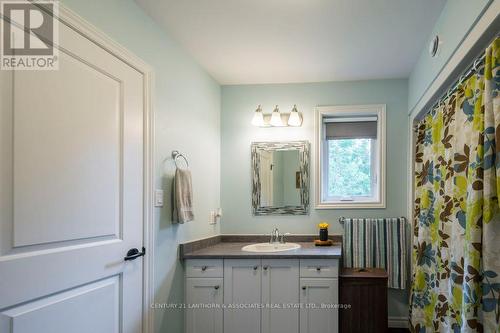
x: 398, y: 322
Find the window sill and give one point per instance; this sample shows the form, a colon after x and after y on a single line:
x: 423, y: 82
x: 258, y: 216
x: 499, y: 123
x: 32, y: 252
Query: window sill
x: 349, y: 205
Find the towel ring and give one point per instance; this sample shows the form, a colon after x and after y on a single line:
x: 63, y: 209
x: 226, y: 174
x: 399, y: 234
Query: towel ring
x: 176, y: 155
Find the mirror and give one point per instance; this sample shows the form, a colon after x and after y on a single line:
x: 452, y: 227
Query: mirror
x: 280, y: 178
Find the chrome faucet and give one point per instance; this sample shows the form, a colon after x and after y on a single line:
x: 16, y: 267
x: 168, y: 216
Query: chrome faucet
x: 282, y: 239
x: 275, y: 236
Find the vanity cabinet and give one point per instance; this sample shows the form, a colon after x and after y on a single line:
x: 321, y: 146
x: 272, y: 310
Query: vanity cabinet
x: 255, y: 282
x: 280, y: 278
x: 263, y: 295
x: 318, y: 295
x: 204, y: 296
x: 204, y: 291
x: 243, y: 283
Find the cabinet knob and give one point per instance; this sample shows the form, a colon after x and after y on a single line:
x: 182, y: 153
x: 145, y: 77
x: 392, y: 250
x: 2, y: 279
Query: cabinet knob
x: 204, y: 268
x: 265, y: 268
x: 255, y: 268
x: 216, y: 287
x: 318, y: 269
x: 304, y: 287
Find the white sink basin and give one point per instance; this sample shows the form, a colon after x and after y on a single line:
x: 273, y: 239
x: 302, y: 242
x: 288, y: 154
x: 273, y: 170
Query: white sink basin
x: 270, y: 247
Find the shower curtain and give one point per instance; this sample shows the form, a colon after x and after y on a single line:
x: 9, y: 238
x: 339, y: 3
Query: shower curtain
x: 456, y: 247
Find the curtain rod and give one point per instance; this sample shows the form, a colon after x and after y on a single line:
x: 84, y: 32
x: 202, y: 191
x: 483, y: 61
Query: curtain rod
x: 470, y: 70
x: 473, y: 68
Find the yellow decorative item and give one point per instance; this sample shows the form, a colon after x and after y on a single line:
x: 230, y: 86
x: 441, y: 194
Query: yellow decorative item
x: 323, y: 231
x: 323, y: 225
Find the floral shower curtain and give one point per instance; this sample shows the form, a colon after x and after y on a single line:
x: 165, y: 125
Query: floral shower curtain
x: 456, y: 248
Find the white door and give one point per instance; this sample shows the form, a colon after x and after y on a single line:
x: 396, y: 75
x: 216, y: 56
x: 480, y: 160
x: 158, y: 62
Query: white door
x: 204, y: 299
x: 242, y: 295
x: 71, y: 194
x: 280, y: 289
x: 266, y: 179
x: 317, y: 296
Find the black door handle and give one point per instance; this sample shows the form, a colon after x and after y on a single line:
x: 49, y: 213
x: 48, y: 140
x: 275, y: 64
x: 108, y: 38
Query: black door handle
x: 133, y: 254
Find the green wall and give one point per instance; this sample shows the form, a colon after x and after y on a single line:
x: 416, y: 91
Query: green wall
x: 238, y: 104
x: 453, y: 25
x: 186, y: 101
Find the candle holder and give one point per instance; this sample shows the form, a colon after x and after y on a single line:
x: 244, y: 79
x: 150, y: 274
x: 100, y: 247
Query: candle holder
x: 323, y: 234
x: 323, y: 231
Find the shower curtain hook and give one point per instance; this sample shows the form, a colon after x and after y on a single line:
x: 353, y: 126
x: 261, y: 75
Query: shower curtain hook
x: 475, y: 65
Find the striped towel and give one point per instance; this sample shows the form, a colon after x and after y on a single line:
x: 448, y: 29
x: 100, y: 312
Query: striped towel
x: 380, y: 243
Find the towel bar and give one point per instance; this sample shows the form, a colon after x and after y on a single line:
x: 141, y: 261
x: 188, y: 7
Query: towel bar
x: 176, y: 154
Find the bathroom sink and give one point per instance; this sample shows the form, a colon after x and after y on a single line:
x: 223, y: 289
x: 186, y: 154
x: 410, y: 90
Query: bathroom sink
x: 270, y: 247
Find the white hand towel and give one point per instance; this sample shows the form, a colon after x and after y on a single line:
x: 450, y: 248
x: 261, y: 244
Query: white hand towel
x: 183, y: 197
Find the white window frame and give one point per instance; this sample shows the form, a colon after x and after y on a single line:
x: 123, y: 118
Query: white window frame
x: 378, y: 199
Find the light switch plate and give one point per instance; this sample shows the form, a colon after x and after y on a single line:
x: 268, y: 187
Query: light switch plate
x: 158, y: 198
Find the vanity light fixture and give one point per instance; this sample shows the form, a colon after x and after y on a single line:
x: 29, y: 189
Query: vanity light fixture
x: 276, y: 118
x: 295, y: 118
x: 258, y: 117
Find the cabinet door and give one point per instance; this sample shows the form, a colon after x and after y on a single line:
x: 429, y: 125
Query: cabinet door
x: 280, y: 295
x: 242, y: 295
x: 204, y: 305
x: 318, y: 297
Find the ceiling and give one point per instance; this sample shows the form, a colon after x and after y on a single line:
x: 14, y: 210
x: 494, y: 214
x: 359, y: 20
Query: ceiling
x: 281, y: 41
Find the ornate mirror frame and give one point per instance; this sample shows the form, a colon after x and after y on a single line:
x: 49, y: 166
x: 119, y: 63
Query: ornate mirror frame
x: 303, y: 148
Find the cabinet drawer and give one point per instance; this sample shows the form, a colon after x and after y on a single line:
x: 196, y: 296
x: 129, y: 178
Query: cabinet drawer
x: 204, y: 268
x: 319, y: 268
x: 204, y: 291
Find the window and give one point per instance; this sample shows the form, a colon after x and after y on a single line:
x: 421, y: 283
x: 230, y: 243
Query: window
x: 350, y: 156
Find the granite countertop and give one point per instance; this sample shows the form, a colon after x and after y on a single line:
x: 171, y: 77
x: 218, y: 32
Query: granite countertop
x: 227, y: 247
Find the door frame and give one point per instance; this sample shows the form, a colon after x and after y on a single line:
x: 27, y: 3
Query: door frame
x: 88, y: 30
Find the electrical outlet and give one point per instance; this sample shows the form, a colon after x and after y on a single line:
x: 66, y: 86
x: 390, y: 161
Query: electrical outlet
x: 212, y: 217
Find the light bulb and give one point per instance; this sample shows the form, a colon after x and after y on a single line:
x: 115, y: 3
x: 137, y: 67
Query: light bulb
x: 276, y: 117
x: 258, y: 117
x: 294, y: 119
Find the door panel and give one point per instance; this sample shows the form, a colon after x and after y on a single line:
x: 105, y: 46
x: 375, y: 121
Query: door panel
x: 242, y: 286
x: 266, y: 179
x: 71, y: 308
x: 280, y: 286
x: 71, y: 146
x: 69, y: 155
